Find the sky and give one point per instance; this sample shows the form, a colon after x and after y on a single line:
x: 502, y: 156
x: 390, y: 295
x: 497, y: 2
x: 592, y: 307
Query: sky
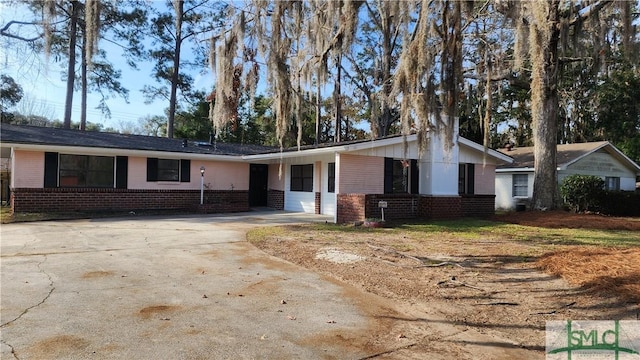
x: 42, y: 83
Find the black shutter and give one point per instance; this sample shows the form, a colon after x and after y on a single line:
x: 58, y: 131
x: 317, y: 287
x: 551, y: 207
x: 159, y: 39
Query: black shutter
x: 152, y: 169
x: 414, y: 177
x: 185, y: 170
x: 50, y: 169
x: 122, y: 171
x: 470, y: 179
x: 388, y: 175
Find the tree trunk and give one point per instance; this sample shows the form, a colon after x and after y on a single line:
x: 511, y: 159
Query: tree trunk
x: 179, y: 8
x: 385, y: 120
x: 318, y: 110
x: 337, y: 93
x: 71, y: 74
x: 544, y: 108
x: 84, y: 79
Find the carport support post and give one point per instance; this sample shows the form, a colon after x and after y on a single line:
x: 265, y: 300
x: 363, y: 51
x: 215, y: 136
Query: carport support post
x: 201, y: 185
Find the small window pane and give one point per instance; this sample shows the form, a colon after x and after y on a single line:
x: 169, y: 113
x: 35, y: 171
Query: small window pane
x: 168, y: 170
x: 462, y: 179
x: 302, y: 178
x: 612, y: 183
x: 400, y: 176
x: 520, y: 185
x: 86, y: 171
x: 331, y: 178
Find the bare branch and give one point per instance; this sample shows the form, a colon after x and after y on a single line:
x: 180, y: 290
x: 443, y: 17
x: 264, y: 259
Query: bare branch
x: 4, y: 31
x: 592, y: 10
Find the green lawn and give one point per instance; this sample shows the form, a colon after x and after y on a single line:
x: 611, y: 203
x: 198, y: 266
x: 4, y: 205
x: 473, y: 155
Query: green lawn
x: 467, y: 229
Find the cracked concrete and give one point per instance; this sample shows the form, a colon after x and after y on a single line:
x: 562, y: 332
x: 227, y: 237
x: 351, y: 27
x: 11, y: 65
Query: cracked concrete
x: 51, y: 289
x: 160, y: 288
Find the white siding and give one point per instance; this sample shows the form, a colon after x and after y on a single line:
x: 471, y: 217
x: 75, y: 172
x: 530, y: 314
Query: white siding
x: 391, y: 151
x: 300, y: 201
x: 504, y: 190
x: 328, y: 200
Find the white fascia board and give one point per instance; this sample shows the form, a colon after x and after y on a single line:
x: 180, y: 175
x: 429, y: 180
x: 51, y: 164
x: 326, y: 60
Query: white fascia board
x: 98, y: 151
x: 330, y: 149
x: 519, y: 170
x: 510, y: 170
x: 496, y: 154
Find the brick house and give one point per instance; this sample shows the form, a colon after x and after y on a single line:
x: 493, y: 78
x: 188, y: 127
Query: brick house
x: 70, y: 170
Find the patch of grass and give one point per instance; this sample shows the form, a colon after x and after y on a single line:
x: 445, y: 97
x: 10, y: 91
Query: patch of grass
x: 480, y: 229
x: 259, y: 235
x: 5, y: 215
x: 477, y: 229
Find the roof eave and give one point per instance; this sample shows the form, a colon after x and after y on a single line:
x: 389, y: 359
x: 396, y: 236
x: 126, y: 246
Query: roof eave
x: 496, y: 154
x: 120, y: 152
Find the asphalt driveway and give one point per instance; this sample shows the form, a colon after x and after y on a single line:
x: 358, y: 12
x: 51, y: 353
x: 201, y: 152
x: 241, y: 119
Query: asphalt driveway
x: 187, y: 287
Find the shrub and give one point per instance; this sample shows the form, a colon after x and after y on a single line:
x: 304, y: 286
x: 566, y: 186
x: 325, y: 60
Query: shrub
x: 620, y: 203
x: 582, y: 192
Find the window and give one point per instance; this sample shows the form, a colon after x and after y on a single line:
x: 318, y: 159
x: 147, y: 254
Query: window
x: 612, y: 183
x: 86, y: 171
x: 466, y: 179
x: 168, y: 170
x: 400, y: 176
x: 331, y: 178
x: 302, y: 178
x: 520, y: 185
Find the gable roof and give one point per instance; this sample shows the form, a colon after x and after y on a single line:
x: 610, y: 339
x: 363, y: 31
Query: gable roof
x: 35, y: 135
x: 567, y: 154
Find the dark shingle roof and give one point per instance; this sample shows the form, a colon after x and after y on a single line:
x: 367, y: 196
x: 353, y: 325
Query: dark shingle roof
x: 22, y: 134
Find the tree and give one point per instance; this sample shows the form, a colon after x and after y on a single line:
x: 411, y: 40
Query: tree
x: 69, y: 27
x: 375, y: 60
x: 295, y: 42
x: 618, y: 110
x: 10, y: 95
x: 170, y: 32
x: 155, y: 125
x: 543, y: 31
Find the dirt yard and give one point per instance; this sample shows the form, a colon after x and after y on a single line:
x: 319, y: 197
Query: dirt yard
x: 478, y: 294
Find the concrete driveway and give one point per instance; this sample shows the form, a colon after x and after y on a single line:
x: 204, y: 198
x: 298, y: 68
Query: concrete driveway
x: 185, y: 287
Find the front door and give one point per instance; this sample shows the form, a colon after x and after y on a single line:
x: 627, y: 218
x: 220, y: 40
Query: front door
x: 258, y: 184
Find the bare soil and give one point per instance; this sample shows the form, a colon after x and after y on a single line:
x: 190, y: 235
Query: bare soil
x: 470, y: 298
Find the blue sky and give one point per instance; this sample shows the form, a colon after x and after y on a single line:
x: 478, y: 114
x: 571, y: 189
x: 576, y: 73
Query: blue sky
x: 41, y: 81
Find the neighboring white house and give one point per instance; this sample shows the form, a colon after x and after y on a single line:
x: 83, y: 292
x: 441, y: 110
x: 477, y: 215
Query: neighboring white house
x: 514, y: 182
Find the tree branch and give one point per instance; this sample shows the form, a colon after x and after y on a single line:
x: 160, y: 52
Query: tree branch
x: 592, y: 10
x: 4, y: 32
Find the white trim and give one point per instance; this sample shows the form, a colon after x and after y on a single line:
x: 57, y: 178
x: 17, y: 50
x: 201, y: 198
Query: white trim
x: 527, y: 169
x: 491, y: 152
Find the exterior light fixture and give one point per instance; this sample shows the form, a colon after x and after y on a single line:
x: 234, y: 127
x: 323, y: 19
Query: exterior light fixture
x: 201, y: 185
